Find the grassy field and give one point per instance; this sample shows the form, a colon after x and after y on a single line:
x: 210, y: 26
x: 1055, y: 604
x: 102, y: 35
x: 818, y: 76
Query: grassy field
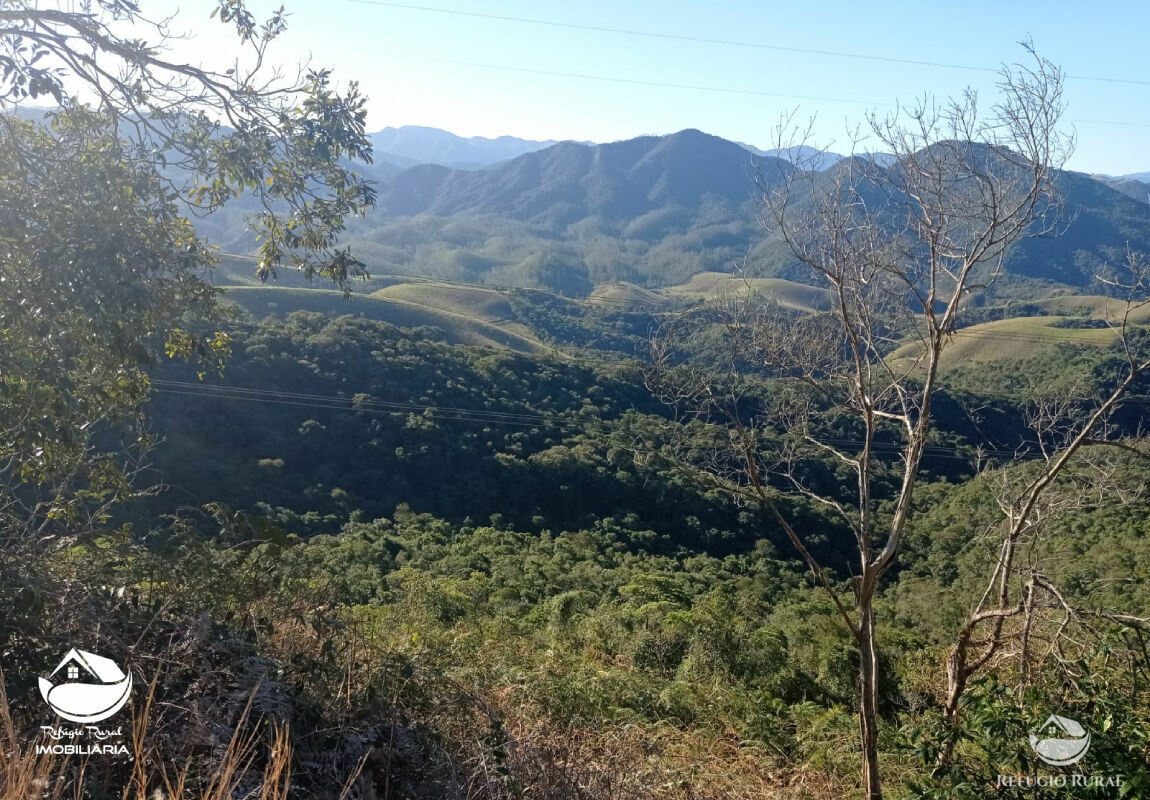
x: 263, y: 301
x: 484, y: 305
x: 489, y: 305
x: 477, y: 315
x: 1008, y: 339
x: 615, y: 295
x: 1093, y: 305
x: 232, y: 271
x: 789, y: 294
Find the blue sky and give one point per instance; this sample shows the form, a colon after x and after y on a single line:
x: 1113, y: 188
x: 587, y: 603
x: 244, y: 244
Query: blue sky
x: 399, y: 54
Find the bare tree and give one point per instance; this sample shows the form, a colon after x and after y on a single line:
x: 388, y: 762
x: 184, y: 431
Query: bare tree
x: 901, y: 242
x: 1021, y: 604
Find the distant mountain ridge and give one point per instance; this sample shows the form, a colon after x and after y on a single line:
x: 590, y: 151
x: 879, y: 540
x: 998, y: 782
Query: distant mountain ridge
x: 1130, y: 185
x: 569, y: 181
x: 803, y: 155
x: 414, y: 144
x: 411, y: 145
x: 657, y: 210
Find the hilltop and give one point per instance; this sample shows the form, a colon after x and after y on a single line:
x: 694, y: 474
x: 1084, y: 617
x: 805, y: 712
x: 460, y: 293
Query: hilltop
x: 657, y: 210
x: 416, y: 144
x: 641, y: 227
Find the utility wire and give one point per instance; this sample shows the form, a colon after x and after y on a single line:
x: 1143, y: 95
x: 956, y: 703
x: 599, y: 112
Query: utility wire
x: 636, y: 81
x: 517, y: 419
x: 722, y: 42
x: 694, y: 87
x: 364, y: 403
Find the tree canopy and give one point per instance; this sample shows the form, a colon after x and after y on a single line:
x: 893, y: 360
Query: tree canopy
x: 101, y: 269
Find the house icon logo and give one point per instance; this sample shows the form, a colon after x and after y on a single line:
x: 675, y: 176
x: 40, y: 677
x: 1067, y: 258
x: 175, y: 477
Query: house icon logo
x: 1060, y: 741
x: 92, y: 687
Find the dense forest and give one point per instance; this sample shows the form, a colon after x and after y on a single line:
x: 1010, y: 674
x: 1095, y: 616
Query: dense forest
x: 550, y: 559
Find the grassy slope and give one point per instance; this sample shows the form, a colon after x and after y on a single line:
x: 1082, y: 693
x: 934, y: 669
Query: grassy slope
x: 459, y: 328
x: 627, y: 294
x: 484, y: 305
x: 242, y: 272
x: 479, y: 316
x: 789, y: 294
x: 1010, y: 338
x: 1096, y: 306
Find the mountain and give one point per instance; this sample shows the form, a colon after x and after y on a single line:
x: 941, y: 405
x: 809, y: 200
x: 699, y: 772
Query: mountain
x: 657, y: 210
x: 567, y: 182
x: 410, y: 145
x: 1131, y: 186
x: 802, y: 155
x: 413, y: 144
x: 652, y: 211
x: 1139, y: 176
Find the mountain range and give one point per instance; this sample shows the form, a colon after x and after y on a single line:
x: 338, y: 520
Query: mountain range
x: 656, y: 210
x: 409, y: 145
x: 653, y: 211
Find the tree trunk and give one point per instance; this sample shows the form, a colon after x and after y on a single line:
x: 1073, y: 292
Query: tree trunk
x: 868, y: 694
x: 956, y: 676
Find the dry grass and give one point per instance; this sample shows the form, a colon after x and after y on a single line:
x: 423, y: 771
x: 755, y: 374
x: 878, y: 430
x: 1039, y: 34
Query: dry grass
x: 488, y: 305
x: 459, y: 328
x: 528, y: 754
x: 788, y: 294
x: 1097, y: 306
x: 1006, y: 339
x: 255, y: 765
x: 627, y: 295
x: 498, y: 743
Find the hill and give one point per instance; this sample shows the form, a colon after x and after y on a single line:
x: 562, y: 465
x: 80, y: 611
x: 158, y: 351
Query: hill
x: 1131, y: 187
x: 801, y: 155
x: 457, y: 328
x: 618, y: 182
x: 1093, y: 306
x: 655, y: 211
x: 415, y: 144
x: 622, y: 294
x: 1011, y: 339
x: 789, y: 294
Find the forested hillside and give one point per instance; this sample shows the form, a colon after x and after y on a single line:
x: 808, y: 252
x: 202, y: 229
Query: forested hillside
x: 524, y: 526
x: 658, y: 210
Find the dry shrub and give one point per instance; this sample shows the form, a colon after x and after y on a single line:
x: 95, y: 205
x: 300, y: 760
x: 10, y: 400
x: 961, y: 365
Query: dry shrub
x: 255, y: 765
x: 512, y: 750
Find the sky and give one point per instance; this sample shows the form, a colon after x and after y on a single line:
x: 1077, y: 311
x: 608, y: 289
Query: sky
x: 487, y: 76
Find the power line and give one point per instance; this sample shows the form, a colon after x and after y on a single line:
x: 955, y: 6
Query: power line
x: 356, y: 403
x: 634, y: 81
x: 515, y: 419
x: 335, y: 407
x: 690, y: 86
x: 722, y: 42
